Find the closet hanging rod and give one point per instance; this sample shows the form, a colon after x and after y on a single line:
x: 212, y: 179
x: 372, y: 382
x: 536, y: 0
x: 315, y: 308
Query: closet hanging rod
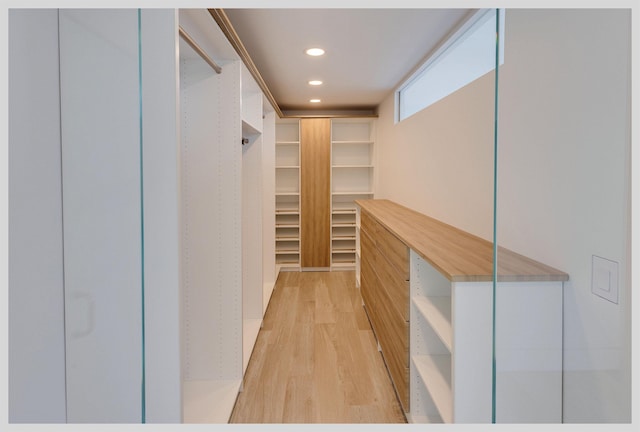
x: 184, y: 35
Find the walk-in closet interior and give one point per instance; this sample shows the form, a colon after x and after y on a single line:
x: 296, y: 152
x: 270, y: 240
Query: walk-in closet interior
x: 175, y: 214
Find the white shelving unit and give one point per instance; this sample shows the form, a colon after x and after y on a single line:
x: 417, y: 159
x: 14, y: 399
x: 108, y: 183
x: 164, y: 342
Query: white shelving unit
x: 430, y: 344
x: 226, y: 280
x: 211, y: 293
x: 352, y: 161
x: 287, y: 165
x: 451, y: 321
x: 451, y: 349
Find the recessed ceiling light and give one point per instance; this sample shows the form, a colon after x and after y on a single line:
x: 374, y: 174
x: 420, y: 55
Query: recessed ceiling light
x: 315, y: 82
x: 315, y: 51
x: 314, y: 100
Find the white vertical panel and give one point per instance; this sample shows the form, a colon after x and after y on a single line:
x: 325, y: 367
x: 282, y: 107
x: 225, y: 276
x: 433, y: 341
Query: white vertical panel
x: 229, y: 231
x: 210, y: 193
x: 252, y: 285
x: 229, y: 198
x: 161, y: 225
x: 101, y: 201
x: 268, y: 207
x: 471, y: 318
x: 200, y: 215
x: 529, y: 352
x: 36, y: 305
x: 211, y: 219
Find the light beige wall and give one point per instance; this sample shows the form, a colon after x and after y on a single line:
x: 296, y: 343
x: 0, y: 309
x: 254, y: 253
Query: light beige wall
x: 563, y: 178
x: 440, y: 160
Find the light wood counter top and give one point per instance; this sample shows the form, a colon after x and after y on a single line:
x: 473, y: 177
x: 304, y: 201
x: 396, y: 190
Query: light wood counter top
x: 458, y: 255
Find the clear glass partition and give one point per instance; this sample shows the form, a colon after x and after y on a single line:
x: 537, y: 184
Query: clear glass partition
x: 101, y: 140
x: 562, y: 320
x: 451, y: 326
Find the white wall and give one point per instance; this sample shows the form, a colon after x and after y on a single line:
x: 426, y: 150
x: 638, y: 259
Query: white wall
x: 440, y: 160
x: 564, y: 137
x: 564, y: 184
x: 36, y: 308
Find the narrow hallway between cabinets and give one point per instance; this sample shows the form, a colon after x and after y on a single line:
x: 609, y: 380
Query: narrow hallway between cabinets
x: 316, y: 358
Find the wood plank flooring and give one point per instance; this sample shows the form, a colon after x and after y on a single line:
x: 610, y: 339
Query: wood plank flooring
x: 315, y: 359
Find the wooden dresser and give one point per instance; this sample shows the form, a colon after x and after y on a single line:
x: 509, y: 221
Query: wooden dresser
x: 427, y: 288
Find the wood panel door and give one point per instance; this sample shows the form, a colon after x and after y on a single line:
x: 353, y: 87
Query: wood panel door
x: 315, y: 193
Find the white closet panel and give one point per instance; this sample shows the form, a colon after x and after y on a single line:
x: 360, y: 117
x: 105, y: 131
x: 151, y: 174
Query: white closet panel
x: 100, y: 120
x: 211, y: 250
x: 35, y: 297
x: 160, y: 122
x: 211, y: 237
x: 252, y: 280
x: 268, y: 205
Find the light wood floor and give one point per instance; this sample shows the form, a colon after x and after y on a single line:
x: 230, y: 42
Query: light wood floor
x: 315, y: 360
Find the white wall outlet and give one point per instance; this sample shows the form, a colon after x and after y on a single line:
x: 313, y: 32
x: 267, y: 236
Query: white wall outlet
x: 604, y: 278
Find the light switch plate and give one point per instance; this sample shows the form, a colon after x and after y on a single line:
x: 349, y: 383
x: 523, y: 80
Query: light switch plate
x: 604, y: 278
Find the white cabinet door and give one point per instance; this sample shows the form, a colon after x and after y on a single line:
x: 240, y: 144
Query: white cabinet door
x: 100, y: 120
x: 36, y: 318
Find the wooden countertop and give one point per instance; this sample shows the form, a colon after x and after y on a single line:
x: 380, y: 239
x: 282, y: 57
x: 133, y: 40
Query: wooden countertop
x: 458, y: 255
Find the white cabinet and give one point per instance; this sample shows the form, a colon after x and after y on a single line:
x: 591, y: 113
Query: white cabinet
x: 159, y: 289
x: 211, y: 248
x: 352, y: 161
x: 451, y: 349
x: 450, y: 368
x: 35, y: 323
x: 258, y: 277
x: 102, y: 204
x: 452, y: 322
x: 287, y: 166
x: 222, y: 199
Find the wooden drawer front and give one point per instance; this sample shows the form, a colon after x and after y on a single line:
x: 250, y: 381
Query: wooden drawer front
x: 385, y: 303
x: 394, y: 249
x: 393, y: 335
x: 368, y: 278
x: 391, y: 332
x: 368, y: 289
x: 370, y: 286
x: 369, y: 298
x: 391, y: 280
x: 395, y: 288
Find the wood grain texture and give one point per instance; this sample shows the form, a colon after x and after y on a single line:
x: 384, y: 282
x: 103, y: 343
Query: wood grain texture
x: 315, y: 192
x: 458, y: 255
x: 367, y: 275
x: 395, y: 250
x: 390, y: 280
x: 386, y: 297
x: 315, y: 359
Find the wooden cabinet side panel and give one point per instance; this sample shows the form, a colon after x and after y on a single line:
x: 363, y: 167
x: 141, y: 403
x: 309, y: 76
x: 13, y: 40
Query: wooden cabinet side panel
x: 315, y: 192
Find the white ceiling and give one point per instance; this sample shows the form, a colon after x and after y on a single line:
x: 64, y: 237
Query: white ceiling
x: 368, y: 51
